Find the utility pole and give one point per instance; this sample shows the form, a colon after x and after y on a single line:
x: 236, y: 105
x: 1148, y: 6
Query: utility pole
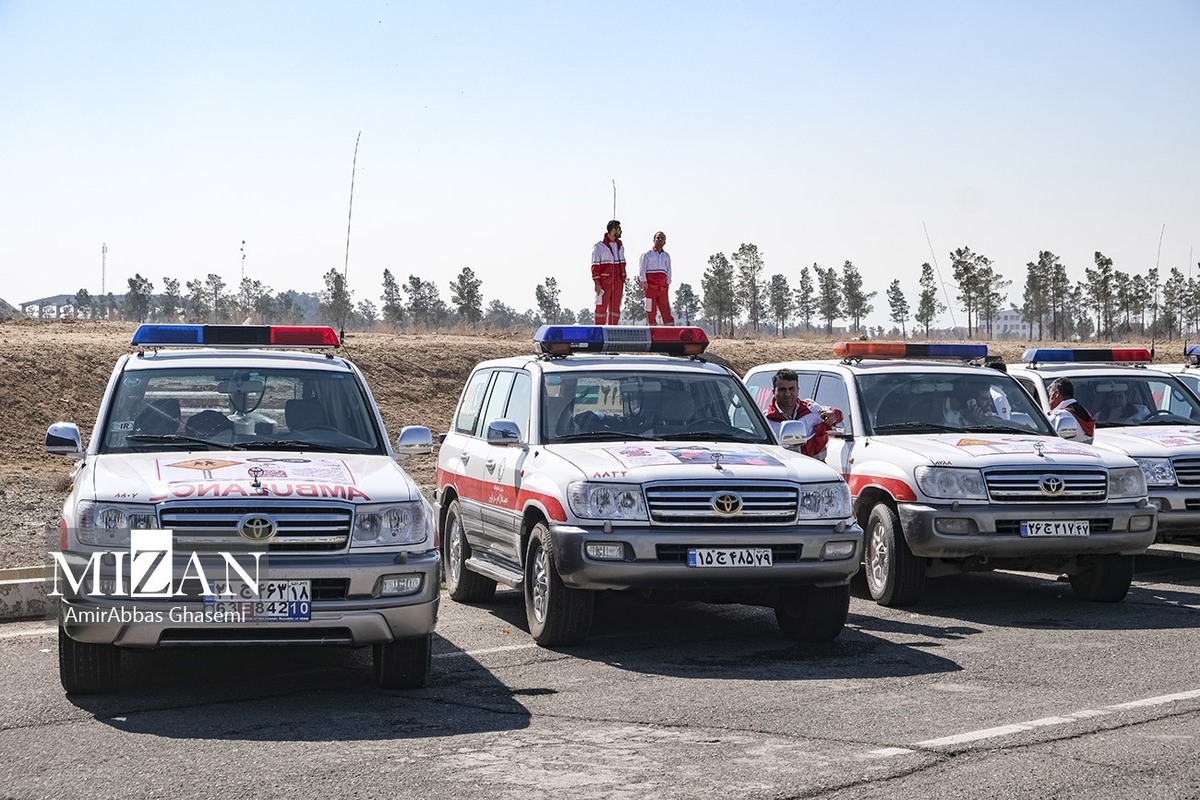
x: 103, y: 265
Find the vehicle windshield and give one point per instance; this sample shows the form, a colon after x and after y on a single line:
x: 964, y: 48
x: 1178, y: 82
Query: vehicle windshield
x: 613, y: 405
x: 1134, y: 399
x: 986, y: 401
x: 238, y: 409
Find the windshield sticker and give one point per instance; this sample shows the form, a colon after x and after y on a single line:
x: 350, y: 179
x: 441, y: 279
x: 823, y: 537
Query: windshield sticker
x: 983, y: 446
x: 327, y: 470
x: 637, y: 455
x: 1178, y: 437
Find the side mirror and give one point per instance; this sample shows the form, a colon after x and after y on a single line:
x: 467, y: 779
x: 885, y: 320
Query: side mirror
x: 63, y: 439
x: 792, y: 434
x: 414, y: 440
x: 1066, y: 426
x: 503, y: 432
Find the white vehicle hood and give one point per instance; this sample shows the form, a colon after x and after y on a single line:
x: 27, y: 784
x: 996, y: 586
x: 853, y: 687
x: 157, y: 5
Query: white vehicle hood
x: 158, y: 477
x: 991, y: 449
x: 1152, y: 441
x: 641, y: 462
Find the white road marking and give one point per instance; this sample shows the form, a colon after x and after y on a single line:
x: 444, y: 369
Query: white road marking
x: 1018, y: 727
x: 485, y: 651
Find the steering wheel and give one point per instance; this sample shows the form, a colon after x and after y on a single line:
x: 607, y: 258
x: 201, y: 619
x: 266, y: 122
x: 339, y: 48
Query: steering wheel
x: 1160, y: 412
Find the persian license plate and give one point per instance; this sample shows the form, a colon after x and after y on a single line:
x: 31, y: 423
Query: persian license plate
x: 1080, y: 527
x: 729, y: 557
x: 277, y: 601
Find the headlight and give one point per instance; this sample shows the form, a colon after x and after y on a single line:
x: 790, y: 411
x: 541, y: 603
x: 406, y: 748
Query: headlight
x: 824, y: 501
x: 606, y: 501
x: 1158, y: 471
x: 951, y: 484
x: 391, y: 524
x: 1126, y: 483
x: 108, y: 524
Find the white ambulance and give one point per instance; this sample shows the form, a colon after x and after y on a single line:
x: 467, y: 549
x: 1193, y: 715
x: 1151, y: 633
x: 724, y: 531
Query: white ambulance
x: 237, y: 490
x: 617, y: 458
x: 1141, y: 411
x: 1187, y: 370
x: 953, y: 468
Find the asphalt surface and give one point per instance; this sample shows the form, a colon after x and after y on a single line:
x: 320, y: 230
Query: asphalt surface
x: 996, y: 685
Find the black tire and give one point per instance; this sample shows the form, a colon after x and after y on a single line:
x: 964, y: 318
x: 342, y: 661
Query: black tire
x: 1104, y: 579
x: 557, y: 614
x: 86, y: 668
x: 463, y: 585
x: 814, y: 614
x: 404, y: 663
x: 895, y: 577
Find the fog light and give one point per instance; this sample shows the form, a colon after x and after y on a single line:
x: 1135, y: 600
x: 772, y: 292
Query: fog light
x: 1161, y: 503
x: 393, y: 585
x: 835, y: 550
x: 605, y: 551
x: 956, y: 525
x: 1140, y: 523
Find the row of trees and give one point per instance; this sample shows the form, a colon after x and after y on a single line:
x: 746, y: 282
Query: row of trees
x: 735, y: 295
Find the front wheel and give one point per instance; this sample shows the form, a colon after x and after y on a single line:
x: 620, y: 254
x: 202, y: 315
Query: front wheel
x: 895, y: 577
x: 557, y: 614
x: 404, y: 663
x: 814, y: 614
x: 86, y: 668
x: 463, y: 585
x: 1104, y: 579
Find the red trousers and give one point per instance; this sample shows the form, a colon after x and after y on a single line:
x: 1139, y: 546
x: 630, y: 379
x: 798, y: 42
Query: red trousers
x: 609, y: 280
x: 658, y: 300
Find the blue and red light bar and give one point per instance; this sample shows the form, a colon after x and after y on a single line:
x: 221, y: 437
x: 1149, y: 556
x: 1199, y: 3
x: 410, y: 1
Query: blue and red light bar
x: 235, y: 336
x: 559, y: 340
x: 1192, y: 354
x: 962, y: 352
x: 1086, y: 355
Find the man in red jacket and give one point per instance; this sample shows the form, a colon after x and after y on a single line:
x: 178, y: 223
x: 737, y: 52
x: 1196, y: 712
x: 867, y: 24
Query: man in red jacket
x: 1067, y: 412
x: 608, y: 275
x: 786, y: 404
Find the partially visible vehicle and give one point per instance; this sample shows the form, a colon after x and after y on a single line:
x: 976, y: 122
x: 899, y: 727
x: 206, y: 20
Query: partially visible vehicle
x: 944, y: 482
x: 1141, y: 411
x: 238, y: 491
x: 1188, y: 371
x: 618, y: 459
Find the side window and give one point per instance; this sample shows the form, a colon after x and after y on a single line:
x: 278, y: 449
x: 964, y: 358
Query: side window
x: 1031, y: 389
x: 806, y: 382
x: 472, y: 402
x: 520, y: 402
x: 831, y: 391
x: 497, y: 400
x: 760, y: 386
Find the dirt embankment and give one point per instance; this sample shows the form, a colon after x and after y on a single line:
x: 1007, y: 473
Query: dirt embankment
x: 52, y: 371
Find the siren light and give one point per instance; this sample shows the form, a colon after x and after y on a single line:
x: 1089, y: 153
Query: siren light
x: 235, y: 336
x: 561, y: 340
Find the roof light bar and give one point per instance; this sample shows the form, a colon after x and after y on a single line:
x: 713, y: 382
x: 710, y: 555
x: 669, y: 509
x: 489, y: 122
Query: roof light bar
x: 1192, y: 354
x: 1086, y: 355
x: 963, y: 352
x: 560, y: 340
x: 235, y: 336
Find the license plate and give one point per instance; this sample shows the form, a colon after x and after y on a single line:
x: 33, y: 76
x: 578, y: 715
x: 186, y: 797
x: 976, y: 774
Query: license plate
x: 729, y: 557
x: 277, y: 601
x: 1079, y: 527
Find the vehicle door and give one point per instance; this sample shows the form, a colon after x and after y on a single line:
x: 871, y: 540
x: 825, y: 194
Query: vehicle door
x: 760, y: 383
x: 495, y: 496
x: 510, y: 400
x: 831, y: 390
x: 459, y: 451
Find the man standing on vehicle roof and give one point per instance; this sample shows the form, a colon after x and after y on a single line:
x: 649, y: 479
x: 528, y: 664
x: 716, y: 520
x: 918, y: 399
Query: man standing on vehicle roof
x: 655, y: 278
x: 608, y: 275
x: 1066, y: 411
x: 786, y: 404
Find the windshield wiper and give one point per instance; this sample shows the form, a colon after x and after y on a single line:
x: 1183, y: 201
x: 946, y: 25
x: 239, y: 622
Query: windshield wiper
x: 172, y: 438
x: 612, y: 435
x: 722, y: 436
x: 998, y: 429
x: 917, y: 426
x: 278, y: 444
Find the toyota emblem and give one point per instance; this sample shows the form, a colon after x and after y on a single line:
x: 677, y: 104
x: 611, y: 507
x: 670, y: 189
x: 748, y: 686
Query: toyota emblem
x: 727, y: 504
x: 257, y: 529
x: 1052, y: 485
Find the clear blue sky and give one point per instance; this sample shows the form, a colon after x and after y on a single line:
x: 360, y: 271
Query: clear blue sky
x: 492, y: 134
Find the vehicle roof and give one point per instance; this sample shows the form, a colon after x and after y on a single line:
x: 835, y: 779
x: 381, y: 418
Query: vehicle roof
x: 873, y: 365
x: 237, y: 358
x: 608, y: 361
x: 1085, y: 370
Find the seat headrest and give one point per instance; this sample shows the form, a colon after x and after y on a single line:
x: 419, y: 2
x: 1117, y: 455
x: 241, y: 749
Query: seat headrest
x: 159, y: 417
x: 206, y: 424
x: 304, y: 413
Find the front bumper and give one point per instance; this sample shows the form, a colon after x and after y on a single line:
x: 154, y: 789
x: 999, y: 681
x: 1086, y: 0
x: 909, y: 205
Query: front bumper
x: 656, y: 557
x: 994, y: 530
x: 358, y: 618
x: 1178, y: 509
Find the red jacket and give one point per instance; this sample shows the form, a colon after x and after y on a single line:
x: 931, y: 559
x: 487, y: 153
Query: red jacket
x: 818, y: 438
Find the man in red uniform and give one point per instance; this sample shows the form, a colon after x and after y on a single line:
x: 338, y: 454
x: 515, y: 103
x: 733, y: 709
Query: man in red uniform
x: 655, y: 276
x: 608, y: 275
x: 786, y: 404
x: 1066, y: 411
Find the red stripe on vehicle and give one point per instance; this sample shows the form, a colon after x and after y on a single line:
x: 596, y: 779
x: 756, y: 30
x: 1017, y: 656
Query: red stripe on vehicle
x: 500, y: 495
x: 893, y: 486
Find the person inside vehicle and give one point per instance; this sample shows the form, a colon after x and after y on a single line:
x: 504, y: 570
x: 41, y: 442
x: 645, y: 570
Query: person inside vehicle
x: 1067, y: 412
x: 1117, y: 407
x: 786, y: 404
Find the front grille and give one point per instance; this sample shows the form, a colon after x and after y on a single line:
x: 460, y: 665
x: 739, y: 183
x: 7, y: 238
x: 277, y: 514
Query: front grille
x: 1192, y: 504
x: 696, y: 503
x: 215, y: 634
x: 1187, y: 471
x: 1026, y: 485
x: 1012, y: 527
x: 300, y: 528
x: 677, y: 553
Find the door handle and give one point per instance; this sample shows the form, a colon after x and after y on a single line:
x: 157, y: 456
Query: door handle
x: 490, y: 465
x: 465, y: 456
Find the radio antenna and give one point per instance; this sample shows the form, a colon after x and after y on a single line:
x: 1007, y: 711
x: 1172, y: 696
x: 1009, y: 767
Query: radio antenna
x: 949, y: 305
x: 350, y: 214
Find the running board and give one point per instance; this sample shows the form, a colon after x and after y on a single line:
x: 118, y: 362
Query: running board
x: 498, y: 573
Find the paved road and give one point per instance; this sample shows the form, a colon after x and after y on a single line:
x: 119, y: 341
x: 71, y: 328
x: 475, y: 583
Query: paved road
x: 996, y: 686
